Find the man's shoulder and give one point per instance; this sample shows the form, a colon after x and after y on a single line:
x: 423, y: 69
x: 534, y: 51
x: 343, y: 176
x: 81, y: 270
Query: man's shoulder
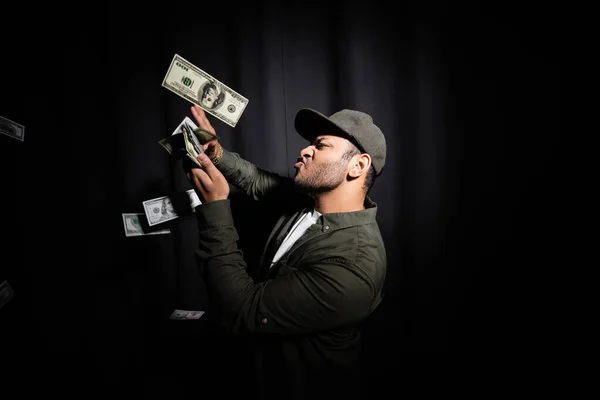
x: 363, y: 246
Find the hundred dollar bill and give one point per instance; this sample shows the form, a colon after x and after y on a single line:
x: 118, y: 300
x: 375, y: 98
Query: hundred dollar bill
x: 163, y: 209
x: 135, y: 225
x: 12, y: 129
x: 196, y: 86
x: 185, y: 314
x: 6, y: 293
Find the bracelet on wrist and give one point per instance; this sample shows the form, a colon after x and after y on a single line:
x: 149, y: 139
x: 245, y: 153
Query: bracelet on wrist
x: 215, y: 160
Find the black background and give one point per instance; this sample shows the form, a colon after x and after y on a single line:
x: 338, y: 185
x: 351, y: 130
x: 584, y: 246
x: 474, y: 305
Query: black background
x: 471, y: 202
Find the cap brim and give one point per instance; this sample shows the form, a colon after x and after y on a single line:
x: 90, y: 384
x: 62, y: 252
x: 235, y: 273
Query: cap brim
x: 310, y: 124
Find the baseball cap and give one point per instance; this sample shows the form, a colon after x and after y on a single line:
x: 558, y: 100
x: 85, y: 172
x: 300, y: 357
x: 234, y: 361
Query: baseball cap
x: 356, y: 126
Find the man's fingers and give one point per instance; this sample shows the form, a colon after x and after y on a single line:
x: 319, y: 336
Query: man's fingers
x: 203, y: 177
x: 210, y: 145
x: 197, y: 112
x: 207, y: 164
x: 201, y: 119
x: 199, y: 176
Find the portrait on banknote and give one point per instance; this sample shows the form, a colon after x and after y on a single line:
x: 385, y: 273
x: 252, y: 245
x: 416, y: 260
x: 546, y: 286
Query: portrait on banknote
x: 160, y: 209
x: 166, y: 212
x: 211, y: 95
x: 132, y: 224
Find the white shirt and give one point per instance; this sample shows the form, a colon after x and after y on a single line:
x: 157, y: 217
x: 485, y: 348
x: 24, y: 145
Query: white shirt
x: 309, y: 218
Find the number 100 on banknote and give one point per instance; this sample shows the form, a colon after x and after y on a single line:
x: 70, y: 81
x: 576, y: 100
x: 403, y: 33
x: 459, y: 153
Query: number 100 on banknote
x: 191, y: 83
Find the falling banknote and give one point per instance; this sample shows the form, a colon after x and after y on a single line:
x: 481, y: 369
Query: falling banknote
x: 165, y: 208
x: 185, y: 314
x: 135, y: 225
x: 196, y: 86
x: 12, y: 129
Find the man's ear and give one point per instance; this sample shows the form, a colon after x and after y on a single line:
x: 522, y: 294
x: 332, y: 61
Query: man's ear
x: 361, y: 165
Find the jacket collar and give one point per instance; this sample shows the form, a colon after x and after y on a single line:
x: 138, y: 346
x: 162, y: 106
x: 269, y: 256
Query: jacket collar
x: 341, y: 220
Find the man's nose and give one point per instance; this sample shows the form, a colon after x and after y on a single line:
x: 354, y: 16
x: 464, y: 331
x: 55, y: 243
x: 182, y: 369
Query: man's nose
x: 307, y: 151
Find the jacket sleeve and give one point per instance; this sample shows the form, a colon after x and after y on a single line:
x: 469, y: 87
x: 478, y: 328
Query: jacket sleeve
x: 317, y: 297
x: 255, y: 182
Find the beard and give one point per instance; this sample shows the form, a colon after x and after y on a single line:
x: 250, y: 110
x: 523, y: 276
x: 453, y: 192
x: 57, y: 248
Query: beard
x: 321, y: 178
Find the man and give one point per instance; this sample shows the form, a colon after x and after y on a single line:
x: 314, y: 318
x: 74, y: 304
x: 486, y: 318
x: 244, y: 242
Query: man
x: 323, y: 266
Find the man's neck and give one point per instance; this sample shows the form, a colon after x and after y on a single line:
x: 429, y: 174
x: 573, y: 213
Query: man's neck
x: 339, y: 200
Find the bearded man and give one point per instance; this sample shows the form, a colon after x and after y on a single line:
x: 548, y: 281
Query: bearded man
x: 323, y: 266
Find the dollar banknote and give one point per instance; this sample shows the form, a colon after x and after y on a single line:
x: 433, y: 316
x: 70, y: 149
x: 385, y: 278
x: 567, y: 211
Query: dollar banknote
x: 178, y: 146
x: 136, y: 225
x: 192, y: 145
x: 6, y: 293
x: 12, y: 129
x: 185, y: 314
x: 198, y: 87
x: 165, y: 208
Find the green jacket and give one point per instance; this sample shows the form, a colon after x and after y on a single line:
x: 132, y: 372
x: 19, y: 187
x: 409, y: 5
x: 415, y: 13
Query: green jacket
x: 303, y: 313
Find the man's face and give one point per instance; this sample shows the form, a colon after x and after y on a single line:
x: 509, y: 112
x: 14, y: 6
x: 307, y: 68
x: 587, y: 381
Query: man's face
x: 321, y: 166
x: 209, y: 97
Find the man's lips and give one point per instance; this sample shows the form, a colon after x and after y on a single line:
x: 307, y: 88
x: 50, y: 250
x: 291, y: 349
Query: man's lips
x: 300, y: 162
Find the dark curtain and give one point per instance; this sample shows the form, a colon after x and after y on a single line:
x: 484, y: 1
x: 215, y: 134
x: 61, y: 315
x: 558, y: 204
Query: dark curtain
x: 467, y: 96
